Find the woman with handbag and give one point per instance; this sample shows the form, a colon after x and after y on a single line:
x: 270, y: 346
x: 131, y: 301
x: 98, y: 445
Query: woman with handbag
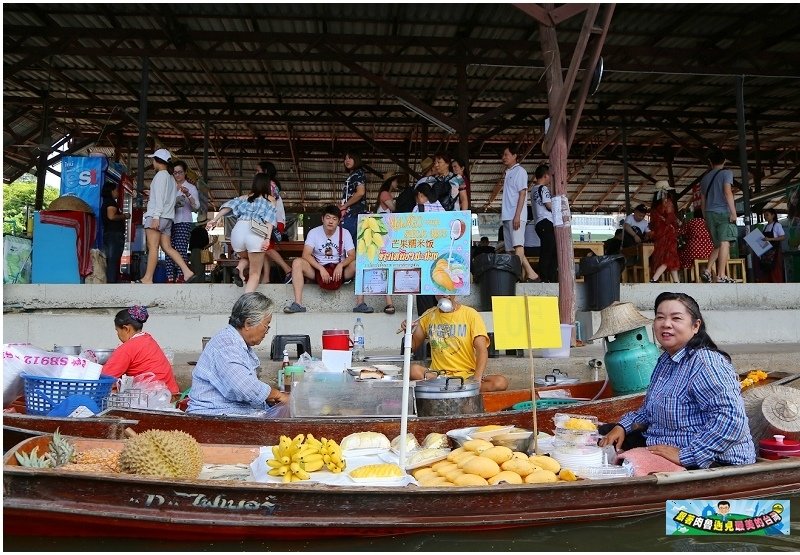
x: 251, y: 235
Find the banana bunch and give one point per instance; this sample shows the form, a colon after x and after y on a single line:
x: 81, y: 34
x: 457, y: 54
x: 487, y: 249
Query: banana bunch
x: 370, y: 237
x: 295, y: 458
x: 332, y: 455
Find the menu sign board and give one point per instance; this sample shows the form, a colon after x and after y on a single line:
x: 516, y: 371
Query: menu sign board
x: 425, y: 253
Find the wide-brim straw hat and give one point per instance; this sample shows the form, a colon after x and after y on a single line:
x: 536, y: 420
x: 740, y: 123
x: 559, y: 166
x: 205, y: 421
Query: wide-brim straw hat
x: 390, y: 175
x: 781, y: 410
x: 619, y: 317
x: 70, y: 202
x: 426, y: 164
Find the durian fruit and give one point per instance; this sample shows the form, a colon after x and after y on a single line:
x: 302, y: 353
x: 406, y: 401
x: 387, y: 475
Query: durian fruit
x: 436, y: 441
x: 161, y: 453
x: 411, y: 443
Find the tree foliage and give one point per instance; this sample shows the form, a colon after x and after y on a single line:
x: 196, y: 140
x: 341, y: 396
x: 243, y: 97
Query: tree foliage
x: 19, y: 195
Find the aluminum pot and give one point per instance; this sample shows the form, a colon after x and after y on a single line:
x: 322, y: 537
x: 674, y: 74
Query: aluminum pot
x: 447, y: 396
x: 102, y: 355
x: 67, y: 349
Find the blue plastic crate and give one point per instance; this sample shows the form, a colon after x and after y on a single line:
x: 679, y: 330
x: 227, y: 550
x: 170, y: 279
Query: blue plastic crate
x: 42, y: 393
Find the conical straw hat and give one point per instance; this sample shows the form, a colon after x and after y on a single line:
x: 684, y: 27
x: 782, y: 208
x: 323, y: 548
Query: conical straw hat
x: 620, y: 317
x: 753, y: 401
x: 781, y: 410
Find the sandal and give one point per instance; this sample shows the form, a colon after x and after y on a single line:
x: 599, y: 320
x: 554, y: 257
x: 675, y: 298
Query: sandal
x: 725, y: 279
x: 363, y: 308
x: 706, y: 276
x: 389, y: 309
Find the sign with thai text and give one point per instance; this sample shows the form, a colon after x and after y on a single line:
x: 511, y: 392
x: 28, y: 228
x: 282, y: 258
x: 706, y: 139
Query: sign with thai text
x: 728, y: 517
x: 426, y: 253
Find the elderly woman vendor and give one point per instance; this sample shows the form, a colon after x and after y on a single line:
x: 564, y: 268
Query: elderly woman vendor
x: 224, y: 382
x: 693, y: 413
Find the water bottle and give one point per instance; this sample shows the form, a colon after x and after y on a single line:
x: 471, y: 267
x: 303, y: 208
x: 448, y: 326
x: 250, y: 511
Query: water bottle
x: 358, y: 340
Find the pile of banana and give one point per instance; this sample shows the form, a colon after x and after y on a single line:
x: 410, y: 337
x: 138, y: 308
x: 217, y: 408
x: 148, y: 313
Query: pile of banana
x: 370, y: 237
x: 295, y: 459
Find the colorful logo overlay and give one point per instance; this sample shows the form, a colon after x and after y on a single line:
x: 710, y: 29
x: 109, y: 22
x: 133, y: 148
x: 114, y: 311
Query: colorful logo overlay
x: 728, y: 517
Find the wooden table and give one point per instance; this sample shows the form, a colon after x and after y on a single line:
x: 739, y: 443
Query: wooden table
x: 642, y: 252
x: 290, y: 249
x: 582, y: 248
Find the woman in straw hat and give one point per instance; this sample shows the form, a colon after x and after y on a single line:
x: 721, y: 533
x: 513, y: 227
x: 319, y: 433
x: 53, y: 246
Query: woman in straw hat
x: 693, y: 414
x: 664, y: 226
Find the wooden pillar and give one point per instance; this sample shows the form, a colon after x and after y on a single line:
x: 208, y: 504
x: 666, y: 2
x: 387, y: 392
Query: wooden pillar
x: 463, y: 120
x: 41, y: 165
x: 757, y: 150
x: 142, y: 129
x: 558, y: 165
x: 625, y: 171
x: 205, y: 150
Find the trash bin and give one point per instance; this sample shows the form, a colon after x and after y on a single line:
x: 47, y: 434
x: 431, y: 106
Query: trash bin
x: 602, y: 275
x: 497, y: 275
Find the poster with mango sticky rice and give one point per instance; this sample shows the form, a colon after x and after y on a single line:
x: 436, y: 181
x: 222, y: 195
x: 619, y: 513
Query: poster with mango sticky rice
x: 426, y: 253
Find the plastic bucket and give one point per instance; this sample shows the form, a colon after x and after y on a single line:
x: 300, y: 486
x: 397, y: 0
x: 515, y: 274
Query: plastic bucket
x: 336, y: 340
x: 563, y: 352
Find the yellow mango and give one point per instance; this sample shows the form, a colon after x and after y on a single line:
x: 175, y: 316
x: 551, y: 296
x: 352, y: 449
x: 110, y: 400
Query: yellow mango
x: 541, y: 477
x: 545, y: 462
x: 481, y: 466
x: 471, y: 480
x: 507, y: 477
x: 498, y: 454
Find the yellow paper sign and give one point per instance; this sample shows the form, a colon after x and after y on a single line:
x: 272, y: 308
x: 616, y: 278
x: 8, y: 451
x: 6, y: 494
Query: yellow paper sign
x: 510, y: 330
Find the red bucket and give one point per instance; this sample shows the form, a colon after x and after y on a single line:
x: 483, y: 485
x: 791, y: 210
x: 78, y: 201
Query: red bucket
x: 336, y: 340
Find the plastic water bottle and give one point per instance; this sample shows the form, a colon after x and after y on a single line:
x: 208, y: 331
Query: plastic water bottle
x: 358, y: 340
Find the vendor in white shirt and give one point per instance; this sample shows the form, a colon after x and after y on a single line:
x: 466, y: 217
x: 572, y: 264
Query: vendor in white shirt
x: 637, y: 228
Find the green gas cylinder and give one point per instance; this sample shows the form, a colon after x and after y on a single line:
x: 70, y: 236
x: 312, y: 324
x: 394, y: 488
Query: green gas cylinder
x: 630, y: 360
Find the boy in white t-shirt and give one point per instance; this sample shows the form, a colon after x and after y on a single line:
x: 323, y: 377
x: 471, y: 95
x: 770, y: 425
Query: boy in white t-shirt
x: 636, y: 228
x: 329, y: 257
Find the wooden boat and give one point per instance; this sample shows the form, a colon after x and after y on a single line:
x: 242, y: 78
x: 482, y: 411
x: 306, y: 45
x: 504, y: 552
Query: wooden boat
x: 56, y: 502
x: 111, y: 424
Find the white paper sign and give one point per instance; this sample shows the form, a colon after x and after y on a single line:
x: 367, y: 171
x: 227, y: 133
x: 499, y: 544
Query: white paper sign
x: 756, y: 240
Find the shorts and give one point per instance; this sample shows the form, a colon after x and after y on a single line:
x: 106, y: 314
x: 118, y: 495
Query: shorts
x: 720, y: 227
x: 244, y: 240
x: 513, y: 237
x: 164, y: 225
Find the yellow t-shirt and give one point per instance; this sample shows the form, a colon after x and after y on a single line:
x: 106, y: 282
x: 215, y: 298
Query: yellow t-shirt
x: 451, y: 335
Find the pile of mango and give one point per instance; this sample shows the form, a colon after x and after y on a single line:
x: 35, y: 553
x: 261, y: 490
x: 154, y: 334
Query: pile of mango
x: 480, y: 463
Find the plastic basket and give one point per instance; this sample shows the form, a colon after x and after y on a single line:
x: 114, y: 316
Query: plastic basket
x: 544, y: 404
x: 43, y: 393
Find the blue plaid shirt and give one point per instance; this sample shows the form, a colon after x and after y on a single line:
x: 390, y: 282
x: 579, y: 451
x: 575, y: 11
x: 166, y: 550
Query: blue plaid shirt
x: 694, y: 402
x: 260, y: 209
x: 224, y: 382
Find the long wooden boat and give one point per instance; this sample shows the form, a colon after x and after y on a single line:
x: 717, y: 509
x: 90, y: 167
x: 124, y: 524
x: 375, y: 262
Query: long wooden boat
x: 111, y: 424
x: 56, y: 502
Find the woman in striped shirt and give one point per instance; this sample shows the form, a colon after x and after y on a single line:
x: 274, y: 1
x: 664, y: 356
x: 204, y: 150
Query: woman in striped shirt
x: 693, y: 413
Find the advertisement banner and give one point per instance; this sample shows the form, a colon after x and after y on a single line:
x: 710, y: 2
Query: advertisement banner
x: 728, y: 517
x: 83, y: 177
x: 425, y: 253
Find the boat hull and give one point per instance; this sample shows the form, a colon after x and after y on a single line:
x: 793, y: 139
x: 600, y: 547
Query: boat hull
x: 58, y: 503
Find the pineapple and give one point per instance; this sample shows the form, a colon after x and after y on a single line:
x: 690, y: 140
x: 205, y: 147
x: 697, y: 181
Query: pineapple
x: 32, y: 459
x: 61, y: 450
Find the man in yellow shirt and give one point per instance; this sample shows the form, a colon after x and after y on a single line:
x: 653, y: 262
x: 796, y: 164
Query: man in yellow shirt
x: 459, y: 343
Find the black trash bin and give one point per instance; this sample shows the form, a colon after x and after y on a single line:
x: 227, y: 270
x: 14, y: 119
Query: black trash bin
x: 602, y: 275
x: 497, y: 275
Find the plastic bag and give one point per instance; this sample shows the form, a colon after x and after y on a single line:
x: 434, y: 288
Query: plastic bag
x: 144, y: 391
x: 310, y: 364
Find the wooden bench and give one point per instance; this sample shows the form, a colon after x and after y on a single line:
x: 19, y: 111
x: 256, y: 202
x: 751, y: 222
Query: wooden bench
x: 736, y: 269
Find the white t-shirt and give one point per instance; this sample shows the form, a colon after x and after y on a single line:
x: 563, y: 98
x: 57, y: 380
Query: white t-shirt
x: 516, y: 180
x: 540, y: 211
x: 644, y: 225
x: 326, y: 249
x: 183, y: 206
x: 776, y: 229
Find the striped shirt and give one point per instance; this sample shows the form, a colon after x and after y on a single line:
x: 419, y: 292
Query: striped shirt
x: 260, y: 209
x: 224, y: 382
x: 694, y: 402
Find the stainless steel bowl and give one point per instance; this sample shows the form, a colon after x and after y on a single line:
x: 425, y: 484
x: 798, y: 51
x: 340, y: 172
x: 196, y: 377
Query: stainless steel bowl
x: 102, y: 355
x: 67, y: 349
x: 518, y: 440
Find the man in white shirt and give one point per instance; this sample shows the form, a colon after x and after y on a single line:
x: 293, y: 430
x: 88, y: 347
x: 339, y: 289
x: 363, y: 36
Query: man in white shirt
x: 329, y: 257
x: 513, y: 212
x: 637, y: 229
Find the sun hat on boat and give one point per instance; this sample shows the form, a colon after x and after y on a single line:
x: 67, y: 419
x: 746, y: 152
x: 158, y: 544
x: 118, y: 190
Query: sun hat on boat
x: 619, y: 317
x: 72, y: 203
x: 754, y: 397
x: 781, y: 410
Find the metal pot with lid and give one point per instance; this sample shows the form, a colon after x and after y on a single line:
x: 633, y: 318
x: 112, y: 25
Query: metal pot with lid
x: 442, y: 396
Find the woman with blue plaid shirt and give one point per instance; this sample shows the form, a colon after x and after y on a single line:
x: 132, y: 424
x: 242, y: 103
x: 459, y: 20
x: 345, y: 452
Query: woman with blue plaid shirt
x: 693, y: 413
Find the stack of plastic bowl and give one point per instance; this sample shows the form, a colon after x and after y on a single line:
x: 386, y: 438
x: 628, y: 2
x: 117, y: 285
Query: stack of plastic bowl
x: 576, y: 448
